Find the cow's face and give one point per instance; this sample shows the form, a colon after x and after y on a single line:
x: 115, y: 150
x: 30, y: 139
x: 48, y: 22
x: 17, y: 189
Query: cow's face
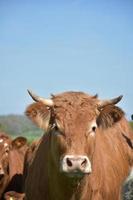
x: 72, y: 125
x: 7, y: 154
x: 74, y: 147
x: 73, y: 137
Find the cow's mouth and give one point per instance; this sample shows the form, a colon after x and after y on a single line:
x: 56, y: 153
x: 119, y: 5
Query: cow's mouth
x: 75, y: 174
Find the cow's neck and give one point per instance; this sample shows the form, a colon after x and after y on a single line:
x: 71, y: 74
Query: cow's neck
x: 64, y: 188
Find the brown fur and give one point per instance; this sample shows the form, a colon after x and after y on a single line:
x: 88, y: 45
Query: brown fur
x: 12, y: 159
x: 109, y: 115
x: 5, y: 137
x: 29, y: 156
x: 4, y: 163
x: 109, y: 151
x: 17, y: 153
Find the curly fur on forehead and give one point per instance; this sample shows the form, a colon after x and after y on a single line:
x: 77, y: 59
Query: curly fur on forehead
x: 75, y: 103
x: 73, y: 97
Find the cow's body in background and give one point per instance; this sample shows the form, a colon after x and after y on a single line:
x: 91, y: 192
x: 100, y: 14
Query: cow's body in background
x: 5, y: 142
x: 12, y: 154
x: 86, y: 153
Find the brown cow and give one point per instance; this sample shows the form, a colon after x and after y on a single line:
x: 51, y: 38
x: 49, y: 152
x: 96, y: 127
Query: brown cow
x: 11, y: 164
x: 16, y: 163
x: 29, y: 156
x: 86, y: 152
x: 5, y: 141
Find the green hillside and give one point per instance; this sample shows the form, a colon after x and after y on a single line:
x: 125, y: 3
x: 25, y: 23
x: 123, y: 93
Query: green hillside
x: 16, y: 125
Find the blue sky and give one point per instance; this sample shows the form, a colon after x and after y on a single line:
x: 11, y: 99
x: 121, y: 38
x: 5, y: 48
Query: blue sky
x: 54, y: 46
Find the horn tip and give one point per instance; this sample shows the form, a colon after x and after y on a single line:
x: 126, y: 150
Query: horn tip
x: 29, y: 91
x: 120, y: 97
x: 33, y: 96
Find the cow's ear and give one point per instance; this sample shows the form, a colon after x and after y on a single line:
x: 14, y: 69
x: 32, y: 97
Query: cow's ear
x: 19, y: 142
x: 109, y: 115
x: 39, y: 114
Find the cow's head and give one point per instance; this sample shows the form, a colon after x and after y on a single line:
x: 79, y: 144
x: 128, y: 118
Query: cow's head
x: 7, y: 156
x: 17, y: 152
x: 71, y: 119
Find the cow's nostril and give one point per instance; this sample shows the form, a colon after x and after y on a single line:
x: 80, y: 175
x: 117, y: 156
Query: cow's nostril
x: 69, y: 162
x: 83, y: 164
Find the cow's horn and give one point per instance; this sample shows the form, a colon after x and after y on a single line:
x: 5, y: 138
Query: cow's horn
x: 95, y: 96
x: 109, y: 102
x: 47, y: 102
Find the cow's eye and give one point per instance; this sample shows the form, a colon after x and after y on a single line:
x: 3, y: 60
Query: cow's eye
x: 57, y: 130
x: 92, y: 128
x: 7, y: 151
x: 54, y: 126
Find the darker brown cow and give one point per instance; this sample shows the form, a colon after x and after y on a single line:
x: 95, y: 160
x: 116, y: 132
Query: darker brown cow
x: 29, y: 156
x: 86, y: 152
x: 16, y: 163
x: 5, y: 142
x: 11, y: 164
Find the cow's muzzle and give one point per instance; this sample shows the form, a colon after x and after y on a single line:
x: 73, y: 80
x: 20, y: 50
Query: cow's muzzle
x: 75, y: 166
